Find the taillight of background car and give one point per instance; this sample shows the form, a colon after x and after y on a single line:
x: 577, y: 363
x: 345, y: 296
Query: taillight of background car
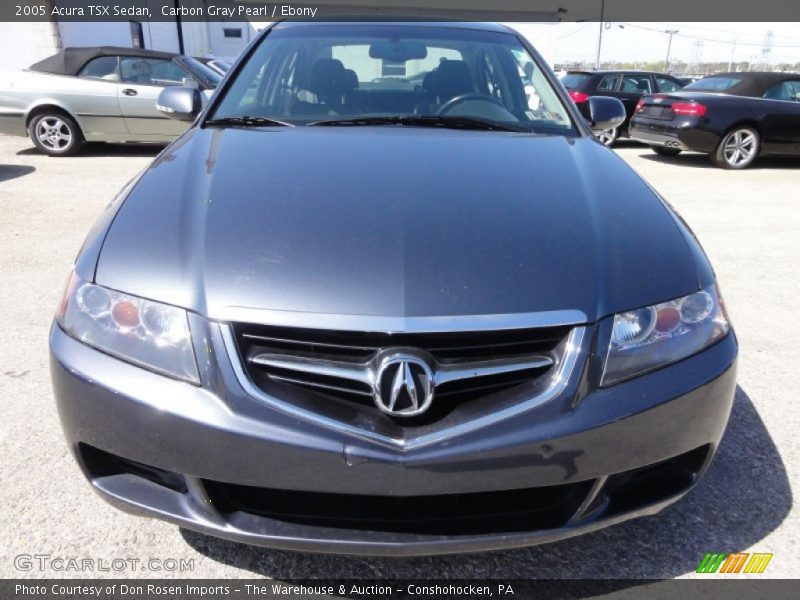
x: 578, y: 97
x: 689, y: 109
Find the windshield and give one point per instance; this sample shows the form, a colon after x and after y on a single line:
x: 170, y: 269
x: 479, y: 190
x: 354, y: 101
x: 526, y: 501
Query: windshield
x: 209, y: 76
x: 302, y: 74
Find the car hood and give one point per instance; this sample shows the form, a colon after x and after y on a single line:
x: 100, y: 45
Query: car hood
x: 394, y: 222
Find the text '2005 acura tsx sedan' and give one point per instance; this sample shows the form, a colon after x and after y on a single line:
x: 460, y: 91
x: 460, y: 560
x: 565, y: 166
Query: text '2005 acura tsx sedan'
x: 389, y: 295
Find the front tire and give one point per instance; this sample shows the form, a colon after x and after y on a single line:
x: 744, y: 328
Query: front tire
x: 56, y: 134
x: 738, y: 149
x: 664, y: 151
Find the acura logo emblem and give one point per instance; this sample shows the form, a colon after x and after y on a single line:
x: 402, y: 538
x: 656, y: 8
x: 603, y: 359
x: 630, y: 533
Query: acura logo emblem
x: 403, y: 385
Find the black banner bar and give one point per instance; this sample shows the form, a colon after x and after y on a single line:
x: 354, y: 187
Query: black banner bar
x: 732, y: 588
x: 461, y: 10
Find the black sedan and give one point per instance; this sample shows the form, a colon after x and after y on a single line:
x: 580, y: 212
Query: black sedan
x: 733, y: 117
x: 627, y: 86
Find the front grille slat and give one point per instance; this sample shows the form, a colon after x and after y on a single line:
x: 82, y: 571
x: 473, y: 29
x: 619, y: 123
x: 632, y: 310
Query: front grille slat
x: 263, y: 338
x: 466, y: 365
x: 318, y: 385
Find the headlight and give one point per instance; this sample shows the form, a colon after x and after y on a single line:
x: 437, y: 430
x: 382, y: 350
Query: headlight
x: 146, y: 333
x: 654, y: 336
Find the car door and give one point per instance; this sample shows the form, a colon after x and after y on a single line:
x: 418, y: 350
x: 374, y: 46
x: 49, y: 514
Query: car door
x: 632, y: 87
x: 142, y: 80
x: 781, y: 123
x: 93, y: 99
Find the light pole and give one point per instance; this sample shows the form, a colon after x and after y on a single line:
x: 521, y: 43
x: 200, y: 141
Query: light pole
x: 670, y: 33
x: 600, y: 37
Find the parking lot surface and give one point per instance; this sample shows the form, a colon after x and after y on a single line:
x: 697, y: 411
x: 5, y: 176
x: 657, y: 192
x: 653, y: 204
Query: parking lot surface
x: 748, y: 222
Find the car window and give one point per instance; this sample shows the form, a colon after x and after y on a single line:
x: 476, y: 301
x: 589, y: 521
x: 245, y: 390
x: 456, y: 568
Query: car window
x: 637, y: 84
x: 788, y: 91
x: 149, y: 71
x: 103, y: 67
x: 574, y: 80
x: 713, y: 84
x: 609, y: 83
x: 369, y: 70
x: 304, y: 74
x: 667, y: 85
x: 208, y: 75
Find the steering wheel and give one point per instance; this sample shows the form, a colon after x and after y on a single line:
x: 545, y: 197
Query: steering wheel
x: 460, y: 99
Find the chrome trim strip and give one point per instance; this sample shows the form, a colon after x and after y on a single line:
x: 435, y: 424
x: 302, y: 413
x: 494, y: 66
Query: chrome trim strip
x: 365, y: 372
x: 559, y: 381
x: 311, y: 320
x: 361, y: 372
x: 315, y: 384
x: 468, y: 370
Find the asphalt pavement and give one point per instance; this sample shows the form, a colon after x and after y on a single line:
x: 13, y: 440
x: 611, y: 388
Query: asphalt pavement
x: 749, y: 224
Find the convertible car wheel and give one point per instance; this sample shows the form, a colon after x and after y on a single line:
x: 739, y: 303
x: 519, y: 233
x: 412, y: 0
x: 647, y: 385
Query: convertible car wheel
x: 56, y: 134
x: 737, y: 149
x: 608, y: 136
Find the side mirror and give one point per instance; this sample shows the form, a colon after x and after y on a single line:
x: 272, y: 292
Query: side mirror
x: 180, y: 103
x: 605, y: 112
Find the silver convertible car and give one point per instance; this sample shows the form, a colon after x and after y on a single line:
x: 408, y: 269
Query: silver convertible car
x: 102, y: 94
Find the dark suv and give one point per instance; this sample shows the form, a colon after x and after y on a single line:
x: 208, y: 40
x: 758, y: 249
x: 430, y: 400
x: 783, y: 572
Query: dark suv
x: 628, y: 86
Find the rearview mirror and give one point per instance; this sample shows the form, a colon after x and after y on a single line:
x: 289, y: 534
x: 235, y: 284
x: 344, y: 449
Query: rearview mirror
x: 397, y: 51
x: 605, y: 112
x: 180, y: 103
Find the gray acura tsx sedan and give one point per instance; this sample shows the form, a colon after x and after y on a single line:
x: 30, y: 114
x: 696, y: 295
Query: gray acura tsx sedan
x: 389, y: 295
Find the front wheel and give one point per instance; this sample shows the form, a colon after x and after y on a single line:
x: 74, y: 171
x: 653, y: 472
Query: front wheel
x: 738, y: 149
x: 608, y: 136
x: 56, y: 134
x: 664, y: 151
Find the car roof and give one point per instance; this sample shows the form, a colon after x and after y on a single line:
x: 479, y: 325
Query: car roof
x: 614, y: 71
x: 71, y: 60
x: 751, y: 83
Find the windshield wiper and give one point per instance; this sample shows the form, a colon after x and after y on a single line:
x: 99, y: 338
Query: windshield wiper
x: 445, y: 121
x: 248, y: 122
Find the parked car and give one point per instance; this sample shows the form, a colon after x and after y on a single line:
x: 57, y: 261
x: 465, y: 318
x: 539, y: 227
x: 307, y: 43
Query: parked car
x: 686, y: 80
x: 102, y: 94
x: 216, y: 64
x: 732, y: 117
x: 627, y: 86
x: 340, y: 315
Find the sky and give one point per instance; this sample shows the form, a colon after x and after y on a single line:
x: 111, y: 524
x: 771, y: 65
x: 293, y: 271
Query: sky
x: 636, y: 41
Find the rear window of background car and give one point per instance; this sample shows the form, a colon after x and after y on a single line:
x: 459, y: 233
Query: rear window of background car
x: 574, y: 80
x: 713, y: 83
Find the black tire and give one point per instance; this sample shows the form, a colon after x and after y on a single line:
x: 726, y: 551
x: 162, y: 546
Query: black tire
x: 664, y: 151
x: 744, y: 138
x: 55, y: 133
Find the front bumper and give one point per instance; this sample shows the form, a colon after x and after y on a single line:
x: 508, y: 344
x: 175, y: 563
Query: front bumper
x: 159, y: 447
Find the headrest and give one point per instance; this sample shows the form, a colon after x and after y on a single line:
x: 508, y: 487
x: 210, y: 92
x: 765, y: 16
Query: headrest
x: 451, y: 78
x: 327, y: 79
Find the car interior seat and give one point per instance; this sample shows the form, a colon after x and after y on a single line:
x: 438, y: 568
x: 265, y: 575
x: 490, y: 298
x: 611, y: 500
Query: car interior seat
x: 327, y: 84
x: 450, y: 79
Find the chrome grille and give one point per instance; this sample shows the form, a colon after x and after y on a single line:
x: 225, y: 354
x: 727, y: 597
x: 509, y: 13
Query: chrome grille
x: 342, y: 364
